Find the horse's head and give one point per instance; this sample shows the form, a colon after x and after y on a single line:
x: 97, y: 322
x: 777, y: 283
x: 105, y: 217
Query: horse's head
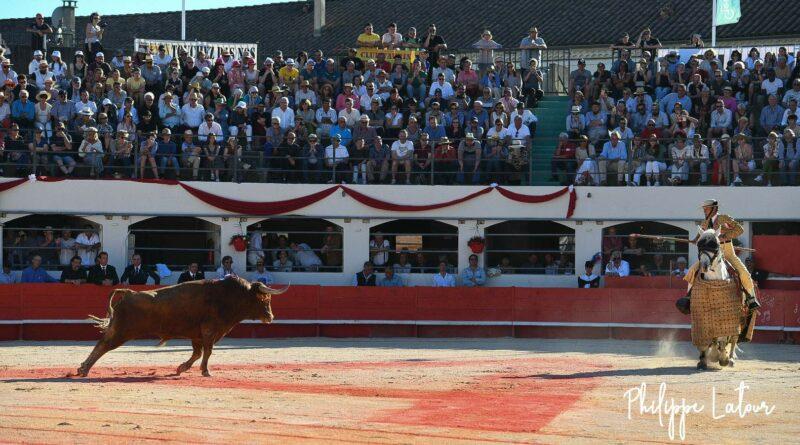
x: 708, y: 248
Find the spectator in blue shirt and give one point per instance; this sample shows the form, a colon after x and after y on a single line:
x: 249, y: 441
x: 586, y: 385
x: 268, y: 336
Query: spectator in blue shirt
x: 434, y: 130
x: 22, y: 110
x: 479, y: 113
x: 669, y: 101
x: 390, y: 279
x: 35, y: 274
x: 614, y: 156
x: 473, y: 276
x: 168, y: 152
x: 344, y: 132
x: 7, y: 276
x: 771, y: 115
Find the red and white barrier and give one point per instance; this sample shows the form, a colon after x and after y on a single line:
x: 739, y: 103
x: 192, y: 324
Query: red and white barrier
x: 59, y: 312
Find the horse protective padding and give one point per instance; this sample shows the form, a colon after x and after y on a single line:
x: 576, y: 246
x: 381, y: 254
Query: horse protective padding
x: 716, y: 310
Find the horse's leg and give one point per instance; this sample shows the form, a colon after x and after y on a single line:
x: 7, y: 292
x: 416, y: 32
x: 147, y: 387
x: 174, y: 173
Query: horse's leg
x: 701, y: 364
x: 734, y: 340
x: 722, y: 346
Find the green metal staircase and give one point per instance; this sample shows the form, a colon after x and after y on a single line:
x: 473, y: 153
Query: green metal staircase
x: 552, y: 113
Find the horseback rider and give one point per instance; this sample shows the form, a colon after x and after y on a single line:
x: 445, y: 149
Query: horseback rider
x: 729, y: 230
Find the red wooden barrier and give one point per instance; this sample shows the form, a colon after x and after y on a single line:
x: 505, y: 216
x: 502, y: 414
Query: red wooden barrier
x: 668, y: 282
x: 417, y: 311
x: 474, y: 304
x: 562, y: 305
x: 777, y: 254
x: 653, y: 306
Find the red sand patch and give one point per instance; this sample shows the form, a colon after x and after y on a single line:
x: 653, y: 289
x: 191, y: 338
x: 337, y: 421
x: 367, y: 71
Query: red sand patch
x: 518, y: 399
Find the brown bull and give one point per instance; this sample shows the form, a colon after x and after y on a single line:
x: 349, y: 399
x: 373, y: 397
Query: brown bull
x: 202, y: 311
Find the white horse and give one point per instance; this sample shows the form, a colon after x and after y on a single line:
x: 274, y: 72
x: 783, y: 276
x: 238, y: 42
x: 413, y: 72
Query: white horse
x: 713, y: 268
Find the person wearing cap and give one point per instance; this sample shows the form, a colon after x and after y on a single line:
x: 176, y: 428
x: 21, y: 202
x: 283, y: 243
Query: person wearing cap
x: 580, y: 80
x: 167, y: 153
x: 532, y: 45
x: 304, y: 92
x: 121, y: 149
x: 91, y: 150
x: 336, y: 158
x: 7, y: 73
x: 729, y: 229
x: 239, y: 122
x: 312, y: 159
x: 42, y: 73
x: 151, y: 73
x: 38, y: 58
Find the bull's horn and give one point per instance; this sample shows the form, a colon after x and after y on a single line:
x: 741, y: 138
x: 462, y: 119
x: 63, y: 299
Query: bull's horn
x: 273, y: 291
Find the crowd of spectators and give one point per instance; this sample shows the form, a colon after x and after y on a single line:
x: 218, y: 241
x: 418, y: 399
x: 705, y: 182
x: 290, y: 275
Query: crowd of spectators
x: 308, y: 118
x: 662, y: 120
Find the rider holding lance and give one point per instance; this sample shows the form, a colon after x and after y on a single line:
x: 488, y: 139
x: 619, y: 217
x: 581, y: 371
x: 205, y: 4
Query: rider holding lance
x: 729, y: 230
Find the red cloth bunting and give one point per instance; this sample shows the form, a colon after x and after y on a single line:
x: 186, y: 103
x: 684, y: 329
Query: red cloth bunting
x: 385, y: 205
x: 258, y: 208
x: 535, y: 199
x: 290, y: 205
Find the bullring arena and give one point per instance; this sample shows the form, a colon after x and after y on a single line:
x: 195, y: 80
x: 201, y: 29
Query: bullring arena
x: 391, y: 391
x: 417, y: 387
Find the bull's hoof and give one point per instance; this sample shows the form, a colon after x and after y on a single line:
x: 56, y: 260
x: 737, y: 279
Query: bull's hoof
x: 82, y: 372
x: 206, y: 373
x: 181, y: 369
x: 701, y: 365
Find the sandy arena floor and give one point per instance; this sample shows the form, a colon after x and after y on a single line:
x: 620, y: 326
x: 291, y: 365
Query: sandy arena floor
x: 397, y: 391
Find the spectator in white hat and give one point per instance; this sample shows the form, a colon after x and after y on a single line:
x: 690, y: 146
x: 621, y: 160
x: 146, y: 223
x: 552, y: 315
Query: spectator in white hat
x: 38, y: 57
x: 680, y: 268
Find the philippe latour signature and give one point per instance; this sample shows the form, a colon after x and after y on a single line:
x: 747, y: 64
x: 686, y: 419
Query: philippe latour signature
x: 675, y: 411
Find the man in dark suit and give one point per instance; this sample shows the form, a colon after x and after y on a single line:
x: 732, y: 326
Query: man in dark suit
x: 103, y: 273
x: 193, y: 273
x: 136, y: 273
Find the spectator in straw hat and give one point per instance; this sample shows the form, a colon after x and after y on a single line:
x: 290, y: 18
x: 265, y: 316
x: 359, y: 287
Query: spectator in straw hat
x: 91, y: 150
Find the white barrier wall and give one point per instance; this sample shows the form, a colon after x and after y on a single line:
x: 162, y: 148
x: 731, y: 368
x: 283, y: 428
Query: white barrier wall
x: 115, y: 205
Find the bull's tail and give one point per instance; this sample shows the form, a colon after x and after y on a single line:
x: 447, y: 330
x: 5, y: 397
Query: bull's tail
x: 103, y: 323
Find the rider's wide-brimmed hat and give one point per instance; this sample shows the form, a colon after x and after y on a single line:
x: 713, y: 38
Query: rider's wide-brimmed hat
x: 710, y: 203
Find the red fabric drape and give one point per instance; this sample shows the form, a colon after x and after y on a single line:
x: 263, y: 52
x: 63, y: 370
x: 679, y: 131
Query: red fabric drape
x: 535, y: 199
x: 385, y: 205
x: 258, y: 208
x: 11, y: 184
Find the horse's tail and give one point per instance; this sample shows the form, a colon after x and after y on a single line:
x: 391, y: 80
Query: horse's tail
x: 104, y: 323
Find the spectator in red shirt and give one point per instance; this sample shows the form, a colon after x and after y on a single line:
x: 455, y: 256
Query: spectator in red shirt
x: 563, y: 159
x: 445, y: 159
x: 651, y: 129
